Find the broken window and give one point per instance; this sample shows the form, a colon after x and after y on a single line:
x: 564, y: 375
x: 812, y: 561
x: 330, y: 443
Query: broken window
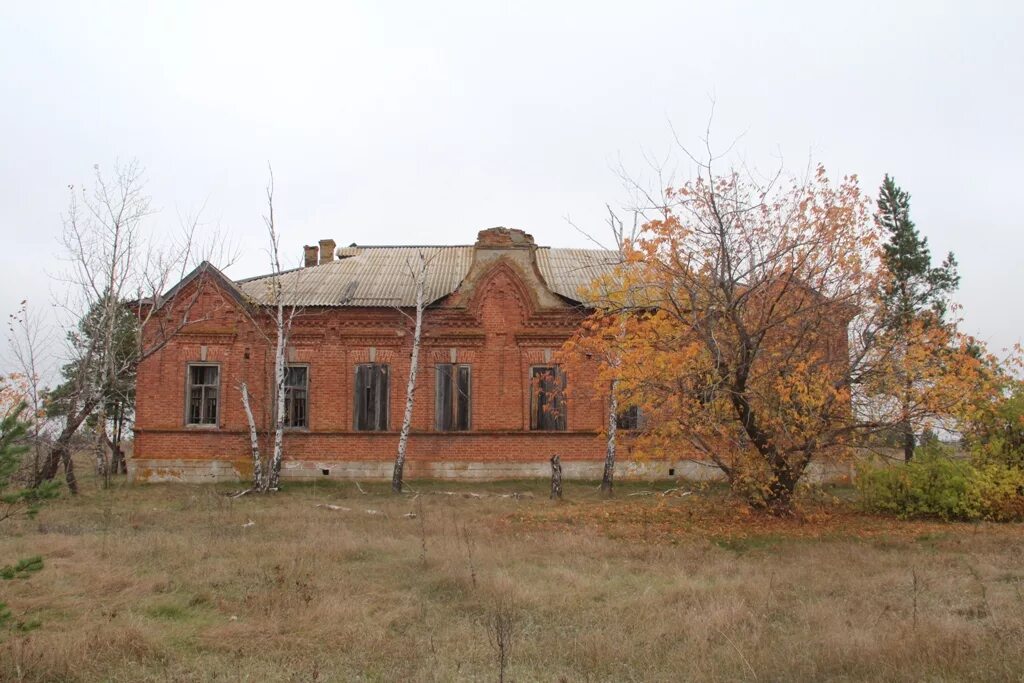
x: 296, y: 391
x: 547, y: 399
x: 371, y: 399
x: 451, y: 404
x: 203, y: 392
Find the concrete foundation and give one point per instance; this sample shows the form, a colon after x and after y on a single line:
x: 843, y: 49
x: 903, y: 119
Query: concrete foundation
x: 205, y: 471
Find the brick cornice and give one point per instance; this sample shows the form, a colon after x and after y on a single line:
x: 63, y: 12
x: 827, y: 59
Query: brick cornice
x: 305, y: 433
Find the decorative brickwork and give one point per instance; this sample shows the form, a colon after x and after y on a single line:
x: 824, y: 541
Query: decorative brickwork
x: 501, y: 321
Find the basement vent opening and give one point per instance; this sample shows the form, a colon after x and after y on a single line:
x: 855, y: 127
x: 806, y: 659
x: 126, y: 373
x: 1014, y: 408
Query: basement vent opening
x: 325, y: 472
x: 671, y: 471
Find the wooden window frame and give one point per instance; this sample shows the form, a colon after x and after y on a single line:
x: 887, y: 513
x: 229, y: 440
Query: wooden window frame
x: 537, y: 424
x: 385, y: 403
x: 203, y: 397
x: 453, y: 399
x: 288, y: 389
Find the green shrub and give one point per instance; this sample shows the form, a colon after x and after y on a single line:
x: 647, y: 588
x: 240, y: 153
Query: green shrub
x: 938, y: 486
x: 997, y: 434
x: 1001, y: 491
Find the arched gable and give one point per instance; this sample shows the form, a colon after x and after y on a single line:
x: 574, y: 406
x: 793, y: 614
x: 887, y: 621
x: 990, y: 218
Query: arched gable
x: 501, y: 297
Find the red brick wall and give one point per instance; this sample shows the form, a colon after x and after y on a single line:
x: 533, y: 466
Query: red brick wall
x: 498, y: 332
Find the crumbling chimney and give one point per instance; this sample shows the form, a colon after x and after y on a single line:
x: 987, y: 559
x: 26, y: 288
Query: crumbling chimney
x: 310, y: 254
x: 504, y: 238
x: 326, y: 250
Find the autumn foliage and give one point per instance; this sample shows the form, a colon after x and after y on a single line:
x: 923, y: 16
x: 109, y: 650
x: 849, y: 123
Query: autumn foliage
x: 748, y: 323
x: 14, y: 393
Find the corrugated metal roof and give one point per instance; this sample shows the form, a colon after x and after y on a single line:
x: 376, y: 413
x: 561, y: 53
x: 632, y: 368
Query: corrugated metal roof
x: 567, y: 271
x: 375, y: 276
x: 382, y: 276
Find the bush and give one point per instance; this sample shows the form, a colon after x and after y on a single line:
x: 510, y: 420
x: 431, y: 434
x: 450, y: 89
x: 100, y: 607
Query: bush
x: 997, y: 434
x: 1001, y: 491
x: 936, y: 485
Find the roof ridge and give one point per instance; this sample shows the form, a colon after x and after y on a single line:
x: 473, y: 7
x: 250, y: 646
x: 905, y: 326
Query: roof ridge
x: 407, y: 246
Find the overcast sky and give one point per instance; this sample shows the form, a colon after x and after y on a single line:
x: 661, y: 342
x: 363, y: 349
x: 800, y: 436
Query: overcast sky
x: 394, y: 123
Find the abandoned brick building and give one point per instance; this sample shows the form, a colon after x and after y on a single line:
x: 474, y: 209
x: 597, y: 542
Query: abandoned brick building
x: 498, y: 312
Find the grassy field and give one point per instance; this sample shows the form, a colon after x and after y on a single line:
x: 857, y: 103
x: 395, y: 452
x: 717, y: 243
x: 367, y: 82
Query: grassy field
x: 182, y: 583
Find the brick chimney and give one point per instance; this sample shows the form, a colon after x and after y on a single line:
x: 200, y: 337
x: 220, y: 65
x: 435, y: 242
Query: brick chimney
x: 504, y: 238
x: 326, y: 251
x: 310, y: 254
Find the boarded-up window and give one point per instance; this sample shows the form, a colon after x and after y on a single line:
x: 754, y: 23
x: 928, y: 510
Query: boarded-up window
x: 296, y: 391
x: 371, y: 399
x: 452, y: 399
x: 203, y: 394
x: 547, y: 399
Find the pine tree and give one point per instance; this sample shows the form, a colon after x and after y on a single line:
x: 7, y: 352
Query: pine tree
x: 15, y: 500
x: 915, y: 292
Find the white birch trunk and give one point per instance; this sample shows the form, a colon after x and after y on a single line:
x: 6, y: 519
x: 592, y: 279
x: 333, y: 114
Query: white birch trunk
x: 608, y: 476
x: 613, y: 426
x: 410, y: 387
x: 274, y: 478
x: 101, y: 447
x: 254, y: 441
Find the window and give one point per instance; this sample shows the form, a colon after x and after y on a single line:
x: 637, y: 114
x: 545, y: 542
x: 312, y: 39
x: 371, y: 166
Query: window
x: 296, y: 390
x: 547, y: 400
x: 203, y: 392
x: 628, y: 418
x: 451, y: 404
x: 371, y: 401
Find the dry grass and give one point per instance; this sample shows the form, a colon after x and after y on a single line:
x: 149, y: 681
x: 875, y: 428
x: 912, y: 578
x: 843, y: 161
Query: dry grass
x: 167, y: 583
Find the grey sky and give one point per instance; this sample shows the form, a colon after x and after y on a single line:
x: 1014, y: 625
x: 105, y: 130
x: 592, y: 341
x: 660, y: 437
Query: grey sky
x: 425, y: 122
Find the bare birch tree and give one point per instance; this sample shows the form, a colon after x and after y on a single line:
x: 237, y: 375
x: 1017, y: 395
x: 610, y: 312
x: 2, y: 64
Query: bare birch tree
x: 621, y: 237
x: 270, y: 479
x: 114, y: 263
x: 254, y: 440
x: 418, y: 272
x: 282, y: 332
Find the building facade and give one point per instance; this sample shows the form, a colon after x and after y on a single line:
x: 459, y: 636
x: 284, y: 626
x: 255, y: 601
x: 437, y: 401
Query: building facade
x: 487, y: 401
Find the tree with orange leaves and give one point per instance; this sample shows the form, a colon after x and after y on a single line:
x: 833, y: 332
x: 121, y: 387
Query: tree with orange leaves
x: 749, y: 327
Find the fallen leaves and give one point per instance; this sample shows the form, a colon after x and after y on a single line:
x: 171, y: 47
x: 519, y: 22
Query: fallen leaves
x: 669, y: 520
